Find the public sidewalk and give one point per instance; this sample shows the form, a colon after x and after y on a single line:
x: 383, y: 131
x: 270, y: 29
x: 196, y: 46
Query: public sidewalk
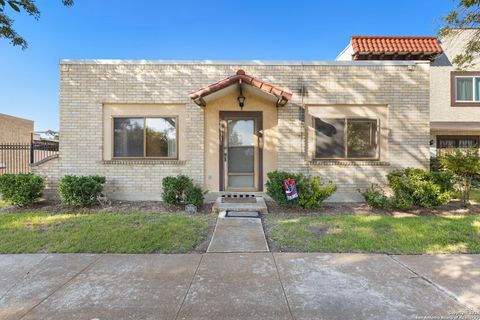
x: 237, y: 286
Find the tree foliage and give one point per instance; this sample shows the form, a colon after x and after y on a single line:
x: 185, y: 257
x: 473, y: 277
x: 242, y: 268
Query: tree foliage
x: 465, y: 15
x: 6, y: 22
x: 465, y: 164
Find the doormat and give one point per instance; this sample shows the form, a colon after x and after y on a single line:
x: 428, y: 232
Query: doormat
x: 239, y: 200
x: 242, y: 214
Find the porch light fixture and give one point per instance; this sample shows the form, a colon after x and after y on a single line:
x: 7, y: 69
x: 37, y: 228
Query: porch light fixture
x: 241, y: 98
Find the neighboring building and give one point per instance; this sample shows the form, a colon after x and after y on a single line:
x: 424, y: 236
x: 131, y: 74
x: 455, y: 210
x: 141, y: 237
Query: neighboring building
x: 136, y: 122
x: 454, y: 94
x: 15, y: 134
x: 15, y: 130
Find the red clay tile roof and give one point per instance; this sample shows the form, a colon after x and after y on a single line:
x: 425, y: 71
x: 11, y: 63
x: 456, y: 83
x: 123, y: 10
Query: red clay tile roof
x: 401, y: 48
x: 282, y: 95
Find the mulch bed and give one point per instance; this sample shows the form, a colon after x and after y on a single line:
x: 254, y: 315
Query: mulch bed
x: 332, y: 209
x: 156, y: 207
x: 454, y: 207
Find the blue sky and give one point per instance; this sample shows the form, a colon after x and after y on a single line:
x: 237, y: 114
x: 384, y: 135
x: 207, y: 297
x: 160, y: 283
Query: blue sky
x: 141, y: 29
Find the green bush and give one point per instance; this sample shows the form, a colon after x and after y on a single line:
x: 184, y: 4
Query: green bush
x: 80, y: 190
x: 413, y: 186
x: 314, y: 192
x: 180, y: 189
x: 174, y: 188
x: 311, y: 191
x: 194, y: 195
x: 376, y: 197
x: 21, y: 189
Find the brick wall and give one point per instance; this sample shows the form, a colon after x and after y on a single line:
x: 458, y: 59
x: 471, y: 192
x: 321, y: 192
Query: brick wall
x: 86, y: 86
x: 15, y: 130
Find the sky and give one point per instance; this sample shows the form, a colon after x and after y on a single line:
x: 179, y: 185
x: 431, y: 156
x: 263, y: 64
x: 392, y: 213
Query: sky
x: 221, y: 30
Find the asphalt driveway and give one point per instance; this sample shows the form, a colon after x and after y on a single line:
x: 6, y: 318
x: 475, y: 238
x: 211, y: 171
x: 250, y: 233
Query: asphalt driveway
x: 238, y: 286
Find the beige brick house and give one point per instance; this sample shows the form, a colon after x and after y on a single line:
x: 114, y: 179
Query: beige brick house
x: 227, y: 124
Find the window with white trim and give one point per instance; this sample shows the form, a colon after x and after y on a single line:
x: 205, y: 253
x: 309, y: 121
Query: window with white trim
x: 467, y: 88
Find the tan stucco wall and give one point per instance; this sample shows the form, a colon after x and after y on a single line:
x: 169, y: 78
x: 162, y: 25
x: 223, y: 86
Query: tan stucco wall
x: 85, y: 87
x: 270, y: 133
x: 440, y: 81
x: 15, y: 130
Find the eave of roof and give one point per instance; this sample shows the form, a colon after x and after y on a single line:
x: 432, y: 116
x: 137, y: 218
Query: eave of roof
x: 283, y: 96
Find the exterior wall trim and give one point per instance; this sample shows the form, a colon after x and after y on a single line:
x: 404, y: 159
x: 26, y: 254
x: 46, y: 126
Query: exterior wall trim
x: 242, y: 62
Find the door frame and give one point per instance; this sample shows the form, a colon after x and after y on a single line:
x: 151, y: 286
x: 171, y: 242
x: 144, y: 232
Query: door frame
x: 258, y: 116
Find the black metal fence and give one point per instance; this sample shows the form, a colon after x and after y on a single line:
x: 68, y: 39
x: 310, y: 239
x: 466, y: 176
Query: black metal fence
x: 17, y: 157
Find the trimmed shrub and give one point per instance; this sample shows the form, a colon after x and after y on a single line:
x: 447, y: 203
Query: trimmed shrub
x: 314, y: 192
x: 311, y: 191
x: 21, y: 189
x: 80, y: 190
x: 194, y: 195
x: 413, y: 186
x: 174, y: 188
x: 376, y: 197
x: 180, y: 189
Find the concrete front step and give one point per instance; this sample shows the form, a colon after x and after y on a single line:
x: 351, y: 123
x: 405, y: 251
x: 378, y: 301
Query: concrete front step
x: 259, y: 206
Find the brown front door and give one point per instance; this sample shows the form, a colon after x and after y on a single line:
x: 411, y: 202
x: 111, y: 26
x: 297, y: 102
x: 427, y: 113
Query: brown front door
x: 241, y: 151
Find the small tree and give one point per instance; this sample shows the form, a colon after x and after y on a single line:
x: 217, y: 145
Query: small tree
x: 465, y: 163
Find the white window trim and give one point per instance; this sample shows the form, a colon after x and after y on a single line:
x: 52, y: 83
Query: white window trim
x: 475, y: 98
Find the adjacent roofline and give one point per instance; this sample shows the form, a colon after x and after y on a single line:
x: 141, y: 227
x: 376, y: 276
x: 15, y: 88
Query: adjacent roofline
x: 243, y: 62
x: 15, y: 117
x: 394, y: 37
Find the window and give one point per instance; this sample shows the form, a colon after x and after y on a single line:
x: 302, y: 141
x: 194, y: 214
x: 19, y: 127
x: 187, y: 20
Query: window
x: 145, y: 137
x: 447, y: 142
x: 346, y: 138
x: 465, y: 88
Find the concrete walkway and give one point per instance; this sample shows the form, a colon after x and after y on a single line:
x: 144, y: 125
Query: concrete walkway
x: 237, y: 286
x: 238, y: 235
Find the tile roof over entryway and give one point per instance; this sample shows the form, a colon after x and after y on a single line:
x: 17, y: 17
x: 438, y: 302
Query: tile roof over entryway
x: 240, y: 77
x: 395, y: 48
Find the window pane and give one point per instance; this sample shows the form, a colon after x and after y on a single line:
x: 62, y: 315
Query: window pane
x: 330, y: 138
x: 477, y: 89
x: 240, y: 133
x: 241, y: 159
x: 239, y: 181
x: 128, y: 137
x: 465, y: 89
x: 446, y: 143
x: 161, y: 137
x: 362, y: 138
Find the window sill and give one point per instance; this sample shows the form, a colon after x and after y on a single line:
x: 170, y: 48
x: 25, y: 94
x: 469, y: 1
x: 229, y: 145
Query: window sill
x: 163, y: 162
x: 347, y: 163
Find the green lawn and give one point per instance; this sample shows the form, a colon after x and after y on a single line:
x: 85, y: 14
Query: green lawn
x: 3, y: 204
x: 475, y: 195
x: 100, y: 232
x: 379, y: 234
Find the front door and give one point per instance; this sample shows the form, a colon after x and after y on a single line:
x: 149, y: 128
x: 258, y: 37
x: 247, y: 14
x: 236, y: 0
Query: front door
x: 241, y: 149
